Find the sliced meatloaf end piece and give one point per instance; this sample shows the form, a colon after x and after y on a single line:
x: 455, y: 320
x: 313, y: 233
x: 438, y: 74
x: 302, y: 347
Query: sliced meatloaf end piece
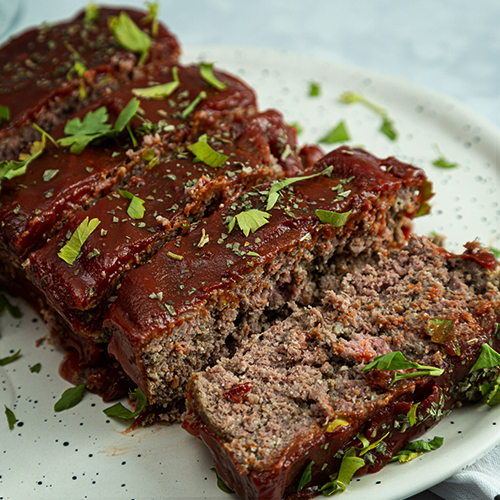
x: 210, y: 288
x: 40, y: 82
x: 280, y: 415
x: 174, y: 193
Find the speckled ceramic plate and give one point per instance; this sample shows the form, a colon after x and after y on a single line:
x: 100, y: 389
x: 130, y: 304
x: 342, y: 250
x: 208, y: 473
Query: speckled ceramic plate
x: 80, y: 453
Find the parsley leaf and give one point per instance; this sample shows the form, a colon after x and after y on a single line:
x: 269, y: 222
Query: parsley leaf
x: 416, y: 448
x: 9, y: 359
x: 338, y: 134
x: 387, y: 126
x: 69, y: 252
x: 159, y: 91
x: 336, y: 219
x: 4, y: 113
x: 348, y: 467
x: 11, y: 418
x: 194, y: 103
x: 119, y: 411
x: 152, y: 16
x: 273, y: 195
x: 206, y: 153
x: 129, y: 36
x: 314, y: 89
x: 136, y: 207
x: 36, y: 368
x: 126, y: 115
x: 488, y: 358
x: 207, y: 73
x: 306, y: 477
x: 491, y: 392
x: 250, y: 220
x: 396, y: 361
x: 442, y: 162
x: 70, y: 397
x: 91, y: 14
x: 220, y: 483
x: 49, y: 174
x: 14, y: 311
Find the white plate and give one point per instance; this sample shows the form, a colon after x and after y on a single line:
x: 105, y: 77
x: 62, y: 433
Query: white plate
x: 80, y: 453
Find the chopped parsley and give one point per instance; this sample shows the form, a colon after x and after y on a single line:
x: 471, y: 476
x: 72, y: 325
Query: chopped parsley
x: 188, y: 110
x: 442, y: 162
x: 69, y: 252
x: 387, y: 126
x: 348, y: 467
x: 36, y: 368
x: 220, y: 483
x: 70, y: 397
x: 119, y: 411
x: 129, y: 36
x: 49, y: 174
x: 305, y: 478
x: 336, y: 219
x: 153, y: 17
x: 11, y: 418
x: 160, y: 91
x: 488, y: 358
x: 4, y: 113
x: 9, y: 359
x: 91, y: 14
x: 338, y: 134
x: 273, y: 195
x: 415, y: 449
x: 5, y: 305
x: 206, y: 153
x: 338, y: 422
x: 396, y: 361
x: 314, y: 89
x: 207, y: 73
x: 136, y: 208
x: 249, y: 221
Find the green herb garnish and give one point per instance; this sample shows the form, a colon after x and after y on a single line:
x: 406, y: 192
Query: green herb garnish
x: 412, y: 414
x: 206, y: 153
x: 4, y: 113
x: 207, y: 73
x: 9, y: 359
x: 415, y: 449
x: 491, y: 392
x: 91, y: 14
x: 336, y: 219
x: 152, y: 16
x: 338, y: 134
x: 119, y: 411
x: 396, y: 361
x: 367, y: 446
x: 306, y: 477
x: 136, y: 208
x: 187, y: 111
x: 129, y: 36
x: 297, y: 127
x: 495, y: 252
x: 348, y: 467
x: 70, y: 397
x: 159, y: 91
x: 69, y: 252
x: 126, y: 115
x: 220, y: 483
x: 314, y: 89
x: 36, y: 368
x: 49, y: 174
x: 78, y: 67
x: 250, y: 220
x: 488, y: 358
x: 273, y: 195
x: 5, y: 305
x: 11, y: 418
x: 387, y: 126
x: 441, y: 161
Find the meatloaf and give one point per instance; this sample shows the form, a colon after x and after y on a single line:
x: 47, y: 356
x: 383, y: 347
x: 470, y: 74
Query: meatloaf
x: 51, y: 71
x: 290, y: 404
x: 205, y: 291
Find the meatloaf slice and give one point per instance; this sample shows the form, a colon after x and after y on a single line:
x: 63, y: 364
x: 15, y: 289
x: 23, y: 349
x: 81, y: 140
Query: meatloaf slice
x: 50, y: 72
x: 212, y: 287
x: 298, y: 397
x: 175, y: 192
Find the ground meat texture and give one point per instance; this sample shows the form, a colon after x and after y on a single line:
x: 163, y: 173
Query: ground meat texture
x: 34, y: 82
x: 306, y: 371
x: 176, y: 192
x: 184, y: 309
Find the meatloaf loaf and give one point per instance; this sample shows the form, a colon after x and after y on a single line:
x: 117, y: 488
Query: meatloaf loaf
x: 234, y: 271
x: 281, y: 414
x: 51, y: 71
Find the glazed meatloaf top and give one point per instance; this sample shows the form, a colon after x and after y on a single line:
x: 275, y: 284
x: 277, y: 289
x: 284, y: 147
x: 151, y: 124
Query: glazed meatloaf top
x: 268, y: 407
x: 67, y: 64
